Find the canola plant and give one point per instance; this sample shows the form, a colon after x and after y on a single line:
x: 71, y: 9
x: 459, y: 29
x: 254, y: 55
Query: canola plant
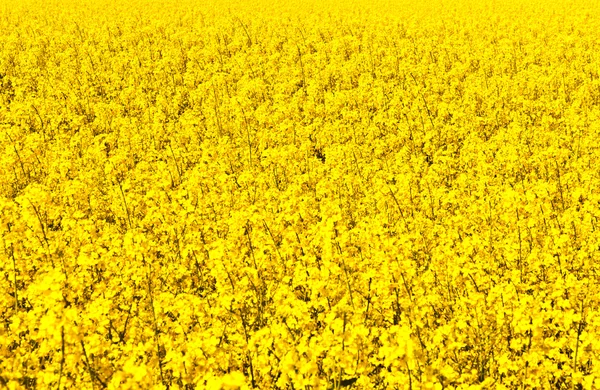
x: 300, y: 195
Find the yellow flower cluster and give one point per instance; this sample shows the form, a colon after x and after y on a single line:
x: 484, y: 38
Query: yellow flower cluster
x: 299, y: 195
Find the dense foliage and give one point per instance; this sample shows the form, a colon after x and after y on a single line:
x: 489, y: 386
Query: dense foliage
x: 314, y: 195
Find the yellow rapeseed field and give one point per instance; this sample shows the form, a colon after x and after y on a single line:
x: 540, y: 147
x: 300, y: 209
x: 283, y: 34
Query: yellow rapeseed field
x: 307, y: 194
